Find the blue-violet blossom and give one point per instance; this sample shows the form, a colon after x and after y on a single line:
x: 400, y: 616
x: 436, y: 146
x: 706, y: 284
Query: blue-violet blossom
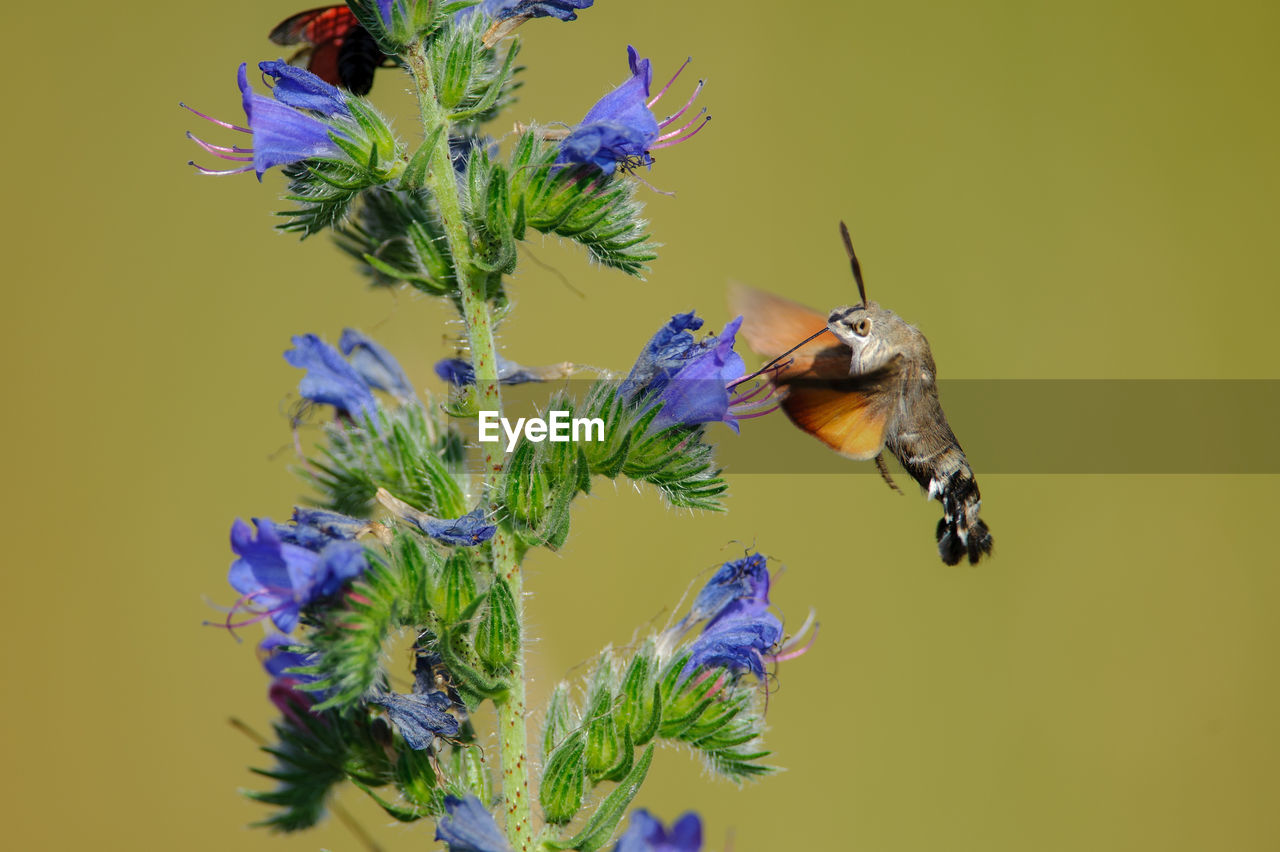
x: 285, y: 129
x: 694, y: 381
x: 469, y: 827
x: 501, y: 10
x: 379, y: 369
x: 741, y: 633
x: 420, y: 717
x: 466, y: 531
x: 645, y: 833
x: 276, y: 579
x: 621, y: 130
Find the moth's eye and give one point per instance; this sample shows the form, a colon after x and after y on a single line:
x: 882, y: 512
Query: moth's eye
x: 862, y: 327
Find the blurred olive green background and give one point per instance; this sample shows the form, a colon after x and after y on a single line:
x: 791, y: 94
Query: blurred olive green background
x: 1070, y: 190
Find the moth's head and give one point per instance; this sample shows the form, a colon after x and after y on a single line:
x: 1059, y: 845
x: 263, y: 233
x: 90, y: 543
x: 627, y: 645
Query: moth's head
x: 875, y: 334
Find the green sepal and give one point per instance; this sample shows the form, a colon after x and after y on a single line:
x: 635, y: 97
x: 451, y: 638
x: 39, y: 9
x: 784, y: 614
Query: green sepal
x: 402, y: 230
x: 416, y: 780
x: 495, y: 89
x: 419, y: 565
x: 348, y: 636
x: 454, y: 59
x: 467, y: 771
x: 403, y: 449
x: 324, y: 188
x: 639, y: 704
x: 456, y: 591
x: 559, y: 720
x: 394, y: 811
x: 415, y: 171
x: 626, y: 757
x: 603, y: 749
x: 473, y: 685
x: 582, y: 203
x: 604, y: 821
x: 497, y: 638
x: 563, y: 780
x: 714, y: 712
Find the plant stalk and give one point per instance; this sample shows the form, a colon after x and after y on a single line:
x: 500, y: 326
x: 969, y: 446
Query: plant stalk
x: 512, y: 736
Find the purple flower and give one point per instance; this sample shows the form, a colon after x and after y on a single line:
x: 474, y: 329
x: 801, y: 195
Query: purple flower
x: 699, y: 392
x: 301, y: 89
x: 375, y: 365
x: 737, y: 641
x: 741, y: 633
x: 420, y: 718
x: 277, y: 661
x: 646, y: 834
x: 459, y: 372
x: 330, y: 380
x: 282, y: 133
x: 469, y: 827
x: 466, y: 531
x: 621, y: 130
x: 501, y: 10
x: 315, y: 528
x: 276, y: 579
x: 744, y: 578
x: 694, y: 381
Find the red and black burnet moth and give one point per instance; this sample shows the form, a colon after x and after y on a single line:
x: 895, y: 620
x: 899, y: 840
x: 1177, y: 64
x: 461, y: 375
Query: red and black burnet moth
x: 335, y: 47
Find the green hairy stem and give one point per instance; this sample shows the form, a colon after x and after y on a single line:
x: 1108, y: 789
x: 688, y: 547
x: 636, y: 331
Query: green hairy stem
x: 512, y: 746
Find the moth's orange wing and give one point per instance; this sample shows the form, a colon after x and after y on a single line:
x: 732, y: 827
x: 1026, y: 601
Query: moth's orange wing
x: 849, y: 421
x: 772, y: 325
x: 847, y: 413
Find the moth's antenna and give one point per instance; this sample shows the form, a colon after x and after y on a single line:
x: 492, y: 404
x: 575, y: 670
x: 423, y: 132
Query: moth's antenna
x: 767, y: 367
x: 853, y: 263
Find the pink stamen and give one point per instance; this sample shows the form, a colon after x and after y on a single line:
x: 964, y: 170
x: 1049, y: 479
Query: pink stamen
x: 687, y: 125
x: 216, y: 121
x: 791, y: 655
x: 683, y: 109
x: 704, y: 123
x: 747, y: 397
x: 218, y: 150
x: 785, y: 650
x: 218, y: 173
x: 669, y: 82
x: 749, y: 415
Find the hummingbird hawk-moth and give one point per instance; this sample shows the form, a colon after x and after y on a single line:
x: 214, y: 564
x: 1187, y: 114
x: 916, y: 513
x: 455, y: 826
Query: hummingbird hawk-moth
x: 874, y: 387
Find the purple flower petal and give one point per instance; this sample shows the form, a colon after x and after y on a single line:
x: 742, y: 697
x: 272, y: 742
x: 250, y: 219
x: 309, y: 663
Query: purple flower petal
x: 419, y: 718
x: 330, y: 380
x: 375, y: 364
x: 645, y: 833
x: 469, y: 827
x: 299, y: 88
x: 281, y: 134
